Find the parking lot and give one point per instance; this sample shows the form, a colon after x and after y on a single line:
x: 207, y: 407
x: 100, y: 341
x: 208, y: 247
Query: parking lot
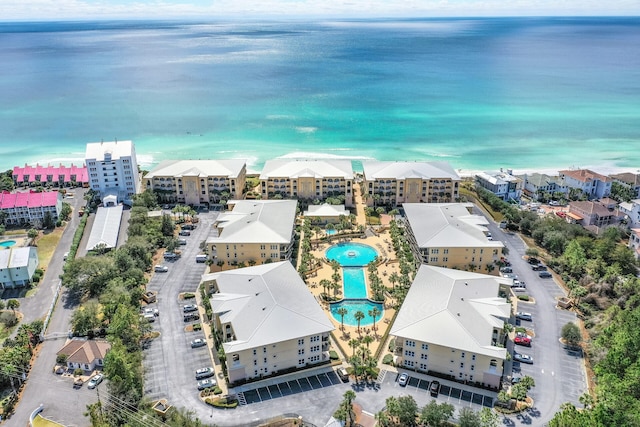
x: 274, y: 391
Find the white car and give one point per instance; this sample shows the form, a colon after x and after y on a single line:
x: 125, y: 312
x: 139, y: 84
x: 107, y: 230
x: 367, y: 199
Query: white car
x: 203, y: 373
x: 206, y: 384
x: 523, y: 358
x: 523, y: 315
x: 403, y: 379
x: 199, y: 342
x: 95, y: 381
x: 160, y: 268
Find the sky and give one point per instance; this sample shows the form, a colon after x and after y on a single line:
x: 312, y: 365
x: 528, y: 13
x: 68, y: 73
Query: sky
x: 34, y: 10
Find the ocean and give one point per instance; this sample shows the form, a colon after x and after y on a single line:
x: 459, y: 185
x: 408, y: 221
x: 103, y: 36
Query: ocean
x: 518, y: 93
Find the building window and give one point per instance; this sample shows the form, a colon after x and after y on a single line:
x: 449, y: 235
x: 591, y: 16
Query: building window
x: 425, y: 346
x: 254, y: 350
x: 473, y: 357
x: 301, y: 341
x: 461, y: 365
x: 473, y: 367
x: 433, y: 259
x: 409, y: 363
x: 423, y: 356
x: 410, y: 343
x: 300, y: 361
x: 462, y: 355
x: 300, y: 352
x: 423, y: 367
x: 265, y: 360
x: 236, y: 357
x: 445, y: 259
x: 409, y: 353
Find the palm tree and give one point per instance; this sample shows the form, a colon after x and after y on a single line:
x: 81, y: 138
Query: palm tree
x: 13, y: 304
x: 342, y: 312
x: 325, y: 283
x: 353, y: 343
x: 367, y: 339
x: 394, y: 278
x: 359, y: 315
x: 374, y: 312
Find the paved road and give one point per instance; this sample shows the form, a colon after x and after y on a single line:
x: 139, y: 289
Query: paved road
x: 559, y: 376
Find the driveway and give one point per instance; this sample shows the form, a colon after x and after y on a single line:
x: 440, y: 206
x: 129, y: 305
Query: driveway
x: 559, y: 376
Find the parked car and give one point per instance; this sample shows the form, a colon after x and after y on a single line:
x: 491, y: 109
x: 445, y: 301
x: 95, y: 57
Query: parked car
x: 533, y: 260
x: 65, y: 256
x: 518, y: 284
x: 434, y: 389
x: 201, y: 258
x: 203, y: 373
x: 170, y: 255
x: 191, y: 317
x: 198, y: 342
x: 160, y: 268
x: 509, y: 276
x: 554, y: 203
x: 182, y: 241
x: 539, y: 267
x: 523, y: 358
x: 149, y: 317
x: 188, y: 308
x: 522, y: 340
x: 152, y: 311
x: 188, y: 227
x: 522, y: 315
x: 506, y: 270
x: 77, y: 383
x: 184, y: 233
x: 343, y: 374
x: 516, y: 380
x: 403, y: 379
x: 545, y: 274
x: 95, y: 381
x: 489, y: 236
x: 206, y: 384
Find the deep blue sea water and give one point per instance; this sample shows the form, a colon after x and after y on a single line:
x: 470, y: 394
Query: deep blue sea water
x: 525, y: 93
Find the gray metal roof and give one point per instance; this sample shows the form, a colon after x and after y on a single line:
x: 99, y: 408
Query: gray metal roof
x: 202, y: 168
x: 266, y: 304
x: 14, y: 257
x: 448, y: 225
x: 455, y: 309
x: 106, y: 227
x: 257, y: 221
x: 277, y: 168
x: 326, y: 210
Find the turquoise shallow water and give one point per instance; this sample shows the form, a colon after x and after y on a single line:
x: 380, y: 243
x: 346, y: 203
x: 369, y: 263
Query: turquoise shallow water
x: 479, y: 93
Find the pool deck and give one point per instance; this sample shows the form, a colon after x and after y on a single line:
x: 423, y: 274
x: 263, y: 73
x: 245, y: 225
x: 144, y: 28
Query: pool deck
x: 381, y: 242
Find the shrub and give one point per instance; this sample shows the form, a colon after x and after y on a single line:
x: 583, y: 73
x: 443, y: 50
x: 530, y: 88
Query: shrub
x: 188, y: 295
x: 8, y: 319
x: 197, y: 327
x: 217, y: 390
x: 222, y: 402
x: 388, y: 359
x: 77, y: 372
x: 61, y: 358
x: 523, y: 297
x: 333, y: 355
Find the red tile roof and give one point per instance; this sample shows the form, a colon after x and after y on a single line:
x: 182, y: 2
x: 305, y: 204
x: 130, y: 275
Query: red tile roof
x: 28, y: 199
x: 585, y: 175
x: 56, y: 173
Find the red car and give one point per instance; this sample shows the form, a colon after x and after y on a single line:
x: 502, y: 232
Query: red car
x: 522, y: 340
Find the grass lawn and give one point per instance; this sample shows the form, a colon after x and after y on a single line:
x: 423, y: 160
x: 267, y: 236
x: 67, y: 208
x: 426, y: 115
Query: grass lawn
x: 47, y: 244
x: 38, y: 421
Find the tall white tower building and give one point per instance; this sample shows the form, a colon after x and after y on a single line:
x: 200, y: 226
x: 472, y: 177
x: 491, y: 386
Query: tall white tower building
x: 113, y: 170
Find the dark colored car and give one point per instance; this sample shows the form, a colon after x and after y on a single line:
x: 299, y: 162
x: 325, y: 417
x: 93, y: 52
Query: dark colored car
x: 533, y: 260
x: 434, y: 388
x: 191, y: 317
x: 539, y: 267
x: 545, y: 274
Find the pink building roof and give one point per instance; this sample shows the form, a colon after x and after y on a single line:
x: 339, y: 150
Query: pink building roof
x: 56, y: 172
x: 28, y: 199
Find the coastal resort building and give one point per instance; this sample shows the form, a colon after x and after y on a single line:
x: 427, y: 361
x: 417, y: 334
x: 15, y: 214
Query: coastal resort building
x: 17, y: 266
x: 503, y: 184
x: 197, y: 182
x: 592, y: 184
x: 30, y: 207
x: 53, y: 176
x: 632, y: 211
x: 452, y: 323
x: 449, y: 235
x: 113, y: 170
x: 267, y: 321
x: 85, y: 354
x: 542, y: 186
x: 326, y: 213
x: 595, y: 216
x: 394, y: 183
x: 307, y: 180
x: 634, y: 242
x: 629, y: 180
x: 254, y: 231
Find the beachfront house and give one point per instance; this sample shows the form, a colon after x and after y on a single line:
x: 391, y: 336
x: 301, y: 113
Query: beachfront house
x: 503, y: 184
x: 197, y: 182
x: 632, y: 211
x: 267, y: 320
x: 629, y: 180
x: 452, y: 323
x: 113, y: 170
x: 394, y: 183
x: 449, y: 235
x: 592, y: 184
x: 17, y: 266
x: 308, y: 180
x: 595, y: 215
x: 54, y: 176
x: 254, y: 231
x: 30, y: 207
x: 540, y: 186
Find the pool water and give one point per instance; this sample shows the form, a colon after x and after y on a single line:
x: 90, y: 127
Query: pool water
x: 331, y: 232
x: 353, y: 306
x: 7, y: 243
x: 354, y: 284
x: 351, y: 254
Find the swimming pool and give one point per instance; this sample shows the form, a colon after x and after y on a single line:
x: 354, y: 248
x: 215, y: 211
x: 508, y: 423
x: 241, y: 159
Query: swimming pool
x: 354, y: 284
x: 351, y: 254
x: 353, y: 306
x: 331, y: 232
x: 7, y: 243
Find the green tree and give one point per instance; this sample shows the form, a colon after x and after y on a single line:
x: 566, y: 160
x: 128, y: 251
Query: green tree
x: 86, y: 318
x: 32, y: 233
x: 342, y: 311
x: 168, y: 226
x: 12, y: 304
x: 468, y: 418
x: 571, y: 334
x: 345, y: 410
x: 519, y: 392
x: 488, y: 418
x: 404, y: 408
x: 358, y: 315
x: 374, y: 312
x: 436, y: 415
x: 367, y: 339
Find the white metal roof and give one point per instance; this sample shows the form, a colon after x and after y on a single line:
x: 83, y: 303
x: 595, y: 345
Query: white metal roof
x: 455, y: 309
x: 326, y: 210
x: 447, y: 225
x: 278, y: 168
x: 14, y: 257
x: 256, y: 221
x: 374, y: 169
x: 266, y: 304
x: 118, y: 149
x: 106, y: 227
x: 202, y: 168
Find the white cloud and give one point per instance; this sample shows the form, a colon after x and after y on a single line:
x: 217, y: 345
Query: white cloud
x: 104, y: 9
